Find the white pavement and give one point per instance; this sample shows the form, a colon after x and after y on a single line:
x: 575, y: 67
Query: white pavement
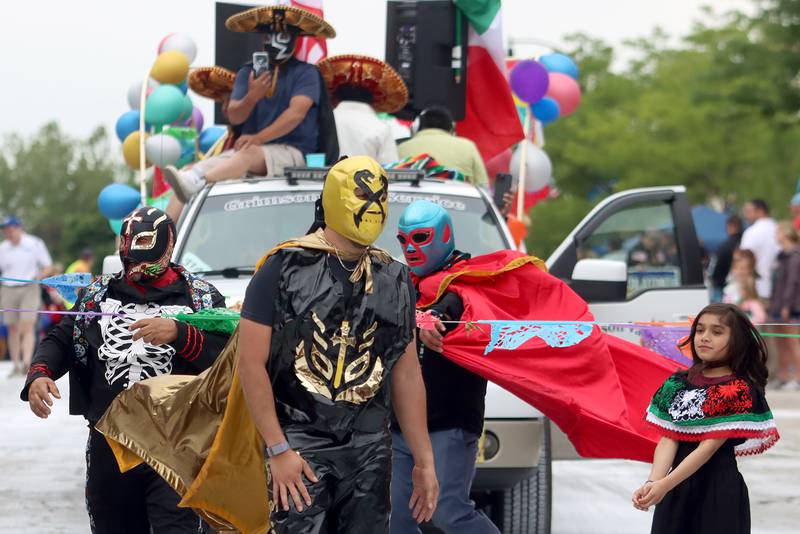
x: 42, y: 475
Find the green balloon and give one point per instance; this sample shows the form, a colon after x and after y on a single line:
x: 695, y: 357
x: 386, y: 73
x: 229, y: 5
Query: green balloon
x: 164, y: 105
x: 115, y: 225
x: 186, y: 109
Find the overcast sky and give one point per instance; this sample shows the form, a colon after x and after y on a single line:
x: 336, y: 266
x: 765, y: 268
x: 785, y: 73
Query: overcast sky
x: 73, y: 61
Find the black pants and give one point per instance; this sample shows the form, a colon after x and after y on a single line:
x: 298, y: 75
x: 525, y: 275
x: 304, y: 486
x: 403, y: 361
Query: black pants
x: 136, y: 502
x: 352, y: 495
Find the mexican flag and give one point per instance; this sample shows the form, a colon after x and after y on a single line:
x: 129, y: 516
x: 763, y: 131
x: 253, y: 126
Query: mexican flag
x: 491, y: 119
x: 309, y: 49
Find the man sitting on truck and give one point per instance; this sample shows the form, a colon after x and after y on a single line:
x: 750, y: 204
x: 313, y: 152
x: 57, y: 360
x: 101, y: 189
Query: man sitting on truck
x: 455, y: 396
x: 278, y: 110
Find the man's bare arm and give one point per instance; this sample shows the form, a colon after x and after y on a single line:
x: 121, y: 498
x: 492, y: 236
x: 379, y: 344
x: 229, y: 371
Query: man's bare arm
x: 408, y: 401
x: 286, y: 121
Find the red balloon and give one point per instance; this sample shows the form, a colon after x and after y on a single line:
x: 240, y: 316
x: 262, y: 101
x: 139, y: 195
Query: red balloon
x: 498, y: 164
x: 566, y: 91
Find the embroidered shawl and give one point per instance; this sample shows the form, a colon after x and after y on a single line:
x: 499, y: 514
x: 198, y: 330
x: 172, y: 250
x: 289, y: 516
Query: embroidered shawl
x: 732, y: 409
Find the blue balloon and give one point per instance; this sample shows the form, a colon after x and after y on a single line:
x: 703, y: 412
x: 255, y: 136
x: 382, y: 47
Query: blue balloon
x: 546, y: 110
x: 117, y: 200
x: 183, y: 86
x: 127, y: 123
x: 560, y: 63
x: 209, y: 136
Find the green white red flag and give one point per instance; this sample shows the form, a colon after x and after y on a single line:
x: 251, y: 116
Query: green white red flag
x: 491, y: 119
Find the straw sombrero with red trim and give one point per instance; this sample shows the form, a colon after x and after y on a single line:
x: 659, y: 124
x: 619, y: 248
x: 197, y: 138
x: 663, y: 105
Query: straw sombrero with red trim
x: 261, y: 19
x: 389, y: 92
x: 215, y: 83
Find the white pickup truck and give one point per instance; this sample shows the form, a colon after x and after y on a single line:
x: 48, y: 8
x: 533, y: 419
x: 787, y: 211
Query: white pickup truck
x: 635, y: 256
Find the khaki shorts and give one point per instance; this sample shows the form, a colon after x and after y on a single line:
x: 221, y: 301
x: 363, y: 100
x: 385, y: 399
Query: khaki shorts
x: 26, y: 297
x: 278, y: 157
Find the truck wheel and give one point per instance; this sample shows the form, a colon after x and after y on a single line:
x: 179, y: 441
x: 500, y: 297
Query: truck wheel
x: 526, y: 507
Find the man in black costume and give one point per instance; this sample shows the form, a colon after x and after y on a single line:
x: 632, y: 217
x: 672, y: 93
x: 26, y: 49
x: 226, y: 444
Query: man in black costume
x: 326, y: 345
x: 120, y: 338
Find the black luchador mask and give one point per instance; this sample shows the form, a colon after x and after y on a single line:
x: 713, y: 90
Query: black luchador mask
x: 279, y: 44
x: 147, y: 239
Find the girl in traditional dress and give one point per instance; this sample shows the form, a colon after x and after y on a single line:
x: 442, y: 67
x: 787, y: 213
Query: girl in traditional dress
x: 707, y: 416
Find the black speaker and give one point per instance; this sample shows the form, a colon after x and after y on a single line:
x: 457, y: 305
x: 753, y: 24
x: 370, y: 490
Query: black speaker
x: 231, y: 49
x: 426, y: 42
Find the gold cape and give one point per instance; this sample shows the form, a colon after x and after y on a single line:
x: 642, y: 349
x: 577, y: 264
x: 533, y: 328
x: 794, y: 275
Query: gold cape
x: 196, y: 431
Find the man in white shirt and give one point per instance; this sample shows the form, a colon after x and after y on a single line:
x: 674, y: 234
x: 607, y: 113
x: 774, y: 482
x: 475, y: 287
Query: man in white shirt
x: 361, y: 87
x: 22, y: 256
x: 760, y: 238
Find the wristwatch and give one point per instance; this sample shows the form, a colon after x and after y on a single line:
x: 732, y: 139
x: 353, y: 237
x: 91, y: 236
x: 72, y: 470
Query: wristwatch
x: 277, y: 449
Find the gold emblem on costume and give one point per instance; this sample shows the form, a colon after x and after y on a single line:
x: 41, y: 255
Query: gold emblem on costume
x: 350, y: 373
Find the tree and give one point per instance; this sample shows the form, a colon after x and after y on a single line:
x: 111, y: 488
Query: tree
x: 52, y: 181
x: 717, y: 113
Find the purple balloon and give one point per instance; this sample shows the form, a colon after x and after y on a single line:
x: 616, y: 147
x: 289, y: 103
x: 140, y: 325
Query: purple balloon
x: 196, y: 120
x: 529, y: 81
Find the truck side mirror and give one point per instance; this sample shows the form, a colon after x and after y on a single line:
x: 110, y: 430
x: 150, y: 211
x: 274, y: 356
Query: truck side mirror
x: 112, y: 264
x: 600, y: 280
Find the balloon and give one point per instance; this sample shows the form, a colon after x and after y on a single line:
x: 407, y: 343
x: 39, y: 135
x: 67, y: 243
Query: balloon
x: 180, y: 42
x: 127, y: 123
x: 196, y: 120
x: 209, y: 136
x: 115, y: 225
x: 538, y: 168
x: 163, y: 150
x: 565, y: 91
x: 187, y: 137
x: 498, y: 164
x: 187, y: 109
x: 135, y: 91
x: 529, y: 81
x: 546, y: 110
x: 184, y: 86
x: 560, y: 63
x: 117, y: 200
x: 130, y: 150
x: 164, y: 106
x: 171, y: 66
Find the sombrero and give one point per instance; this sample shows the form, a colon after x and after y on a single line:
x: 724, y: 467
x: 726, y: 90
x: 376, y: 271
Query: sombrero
x: 389, y: 92
x: 215, y: 83
x: 258, y: 18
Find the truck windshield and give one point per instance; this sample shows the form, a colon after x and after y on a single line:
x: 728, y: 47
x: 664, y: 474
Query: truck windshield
x: 236, y: 230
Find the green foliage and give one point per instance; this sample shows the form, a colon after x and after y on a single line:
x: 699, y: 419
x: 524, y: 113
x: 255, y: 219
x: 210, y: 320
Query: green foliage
x: 551, y: 222
x: 716, y: 113
x: 51, y: 182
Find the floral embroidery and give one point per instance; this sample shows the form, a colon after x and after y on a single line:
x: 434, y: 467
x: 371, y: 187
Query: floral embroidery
x: 728, y: 398
x: 688, y: 404
x: 666, y: 393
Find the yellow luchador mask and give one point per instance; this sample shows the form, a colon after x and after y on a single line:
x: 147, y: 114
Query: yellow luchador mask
x: 355, y: 199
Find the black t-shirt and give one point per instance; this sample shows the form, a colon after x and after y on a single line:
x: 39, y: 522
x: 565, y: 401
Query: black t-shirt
x: 456, y: 396
x: 259, y: 300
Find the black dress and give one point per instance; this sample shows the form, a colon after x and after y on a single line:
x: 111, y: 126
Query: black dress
x: 712, y: 500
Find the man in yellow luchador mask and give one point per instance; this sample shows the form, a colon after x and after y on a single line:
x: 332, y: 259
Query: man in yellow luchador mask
x: 326, y: 346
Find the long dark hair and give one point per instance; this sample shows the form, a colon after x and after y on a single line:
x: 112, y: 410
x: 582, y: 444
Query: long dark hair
x: 747, y: 352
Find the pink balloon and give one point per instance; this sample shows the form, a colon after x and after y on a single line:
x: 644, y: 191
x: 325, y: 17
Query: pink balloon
x: 566, y: 91
x: 164, y: 40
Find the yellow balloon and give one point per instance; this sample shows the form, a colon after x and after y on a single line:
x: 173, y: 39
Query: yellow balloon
x: 130, y: 150
x: 171, y: 66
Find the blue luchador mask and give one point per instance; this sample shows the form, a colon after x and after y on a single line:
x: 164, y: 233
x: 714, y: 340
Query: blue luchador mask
x: 425, y: 232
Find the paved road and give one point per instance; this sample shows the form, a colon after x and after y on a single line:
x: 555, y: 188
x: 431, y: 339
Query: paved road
x: 42, y: 472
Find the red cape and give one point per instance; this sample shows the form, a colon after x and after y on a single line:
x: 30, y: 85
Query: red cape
x: 597, y: 391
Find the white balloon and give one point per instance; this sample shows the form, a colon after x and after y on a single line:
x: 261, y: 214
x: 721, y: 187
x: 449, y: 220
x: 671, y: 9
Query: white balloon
x: 182, y: 43
x: 162, y: 150
x: 538, y: 168
x: 135, y: 92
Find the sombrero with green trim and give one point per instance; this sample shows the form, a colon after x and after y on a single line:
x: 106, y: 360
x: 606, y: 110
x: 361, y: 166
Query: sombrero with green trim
x: 261, y: 19
x: 389, y: 91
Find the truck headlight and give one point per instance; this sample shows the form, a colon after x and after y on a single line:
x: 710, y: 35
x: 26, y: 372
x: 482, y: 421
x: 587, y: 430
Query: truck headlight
x: 491, y: 445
